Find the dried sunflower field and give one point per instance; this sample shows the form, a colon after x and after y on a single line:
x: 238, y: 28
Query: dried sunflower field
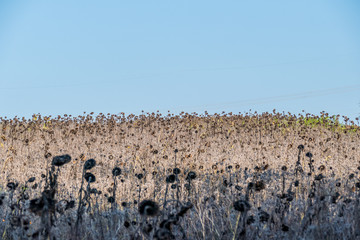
x: 187, y: 176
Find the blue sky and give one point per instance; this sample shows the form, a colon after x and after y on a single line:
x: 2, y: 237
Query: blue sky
x: 67, y: 57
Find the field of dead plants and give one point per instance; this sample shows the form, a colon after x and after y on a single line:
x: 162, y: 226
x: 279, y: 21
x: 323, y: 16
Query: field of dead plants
x: 187, y: 176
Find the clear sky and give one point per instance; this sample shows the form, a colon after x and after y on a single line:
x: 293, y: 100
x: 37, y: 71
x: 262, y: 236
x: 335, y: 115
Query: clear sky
x: 67, y: 57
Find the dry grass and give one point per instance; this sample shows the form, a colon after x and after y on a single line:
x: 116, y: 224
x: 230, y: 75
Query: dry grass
x: 253, y: 158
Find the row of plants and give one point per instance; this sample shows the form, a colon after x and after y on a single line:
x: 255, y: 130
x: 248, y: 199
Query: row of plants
x: 190, y: 176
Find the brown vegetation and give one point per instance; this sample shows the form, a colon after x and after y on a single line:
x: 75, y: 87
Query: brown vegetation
x: 256, y: 176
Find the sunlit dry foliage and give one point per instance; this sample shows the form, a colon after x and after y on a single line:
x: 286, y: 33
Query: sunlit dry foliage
x: 187, y: 176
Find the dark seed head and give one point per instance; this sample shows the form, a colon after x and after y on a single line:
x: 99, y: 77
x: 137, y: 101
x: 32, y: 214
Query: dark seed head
x: 282, y: 196
x: 140, y: 176
x: 301, y: 147
x: 284, y: 168
x: 309, y: 154
x: 32, y: 179
x: 148, y: 208
x: 111, y: 199
x: 61, y: 160
x: 250, y: 220
x: 26, y: 222
x: 89, y: 177
x: 284, y: 228
x: 171, y: 178
x: 319, y: 177
x: 263, y: 216
x: 116, y: 171
x: 89, y: 164
x: 12, y: 186
x: 176, y: 171
x: 70, y: 204
x: 191, y: 176
x: 259, y: 185
x: 351, y: 176
x: 126, y: 224
x: 241, y: 205
x: 93, y: 191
